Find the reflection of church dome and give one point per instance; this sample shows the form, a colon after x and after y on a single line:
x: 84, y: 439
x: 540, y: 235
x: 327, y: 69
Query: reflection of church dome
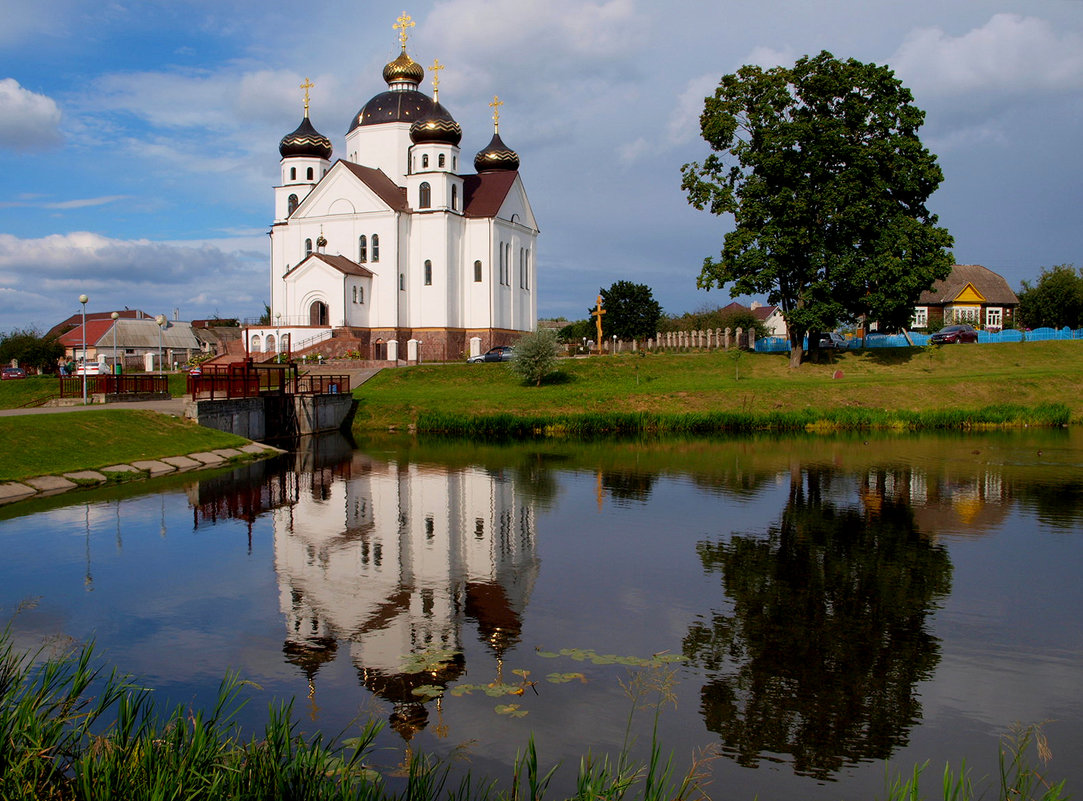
x: 496, y: 156
x: 310, y: 654
x: 498, y: 623
x: 437, y: 126
x: 305, y: 141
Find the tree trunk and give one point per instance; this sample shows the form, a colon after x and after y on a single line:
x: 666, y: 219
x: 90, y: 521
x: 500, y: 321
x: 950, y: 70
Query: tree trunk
x: 797, y: 339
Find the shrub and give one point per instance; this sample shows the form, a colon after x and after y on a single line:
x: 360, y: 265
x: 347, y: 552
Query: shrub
x: 535, y: 356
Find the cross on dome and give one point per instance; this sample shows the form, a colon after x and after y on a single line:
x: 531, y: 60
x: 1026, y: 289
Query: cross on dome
x: 435, y: 69
x: 401, y: 24
x: 495, y: 106
x: 306, y: 86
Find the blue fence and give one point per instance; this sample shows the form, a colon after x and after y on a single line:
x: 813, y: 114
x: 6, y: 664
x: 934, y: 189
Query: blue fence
x: 874, y: 340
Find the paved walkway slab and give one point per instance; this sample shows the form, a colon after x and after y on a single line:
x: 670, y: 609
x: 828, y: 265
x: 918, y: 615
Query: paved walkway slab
x: 120, y: 468
x: 85, y: 475
x: 182, y: 462
x: 206, y: 458
x: 228, y: 453
x: 49, y: 484
x: 153, y: 466
x: 14, y: 491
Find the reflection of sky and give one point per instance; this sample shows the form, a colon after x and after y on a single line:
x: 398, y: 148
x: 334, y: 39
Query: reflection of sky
x: 621, y: 576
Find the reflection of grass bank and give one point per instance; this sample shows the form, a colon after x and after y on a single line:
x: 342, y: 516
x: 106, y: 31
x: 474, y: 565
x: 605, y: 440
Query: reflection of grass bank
x: 71, y: 733
x: 891, y: 383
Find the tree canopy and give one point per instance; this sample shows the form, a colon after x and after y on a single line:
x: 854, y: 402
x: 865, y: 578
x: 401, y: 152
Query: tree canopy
x: 1056, y: 300
x: 30, y: 349
x: 631, y: 312
x: 821, y: 166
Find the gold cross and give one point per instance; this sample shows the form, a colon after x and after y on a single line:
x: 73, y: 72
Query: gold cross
x: 435, y: 69
x: 495, y: 106
x: 306, y: 86
x: 401, y: 25
x: 599, y: 311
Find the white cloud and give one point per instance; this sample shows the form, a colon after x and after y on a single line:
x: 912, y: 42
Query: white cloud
x: 79, y: 203
x: 766, y: 57
x: 28, y: 121
x: 1010, y: 54
x: 44, y: 276
x: 684, y: 120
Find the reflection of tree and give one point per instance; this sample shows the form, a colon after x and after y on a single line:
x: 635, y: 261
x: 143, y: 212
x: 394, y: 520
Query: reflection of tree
x: 628, y: 485
x: 827, y: 637
x: 1055, y: 504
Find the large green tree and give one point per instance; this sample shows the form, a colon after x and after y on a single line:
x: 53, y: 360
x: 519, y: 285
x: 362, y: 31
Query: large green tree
x: 821, y: 166
x: 1056, y: 300
x: 30, y: 349
x: 631, y: 312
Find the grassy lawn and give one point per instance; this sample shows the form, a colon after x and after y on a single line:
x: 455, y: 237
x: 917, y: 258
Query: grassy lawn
x: 907, y: 379
x: 49, y: 444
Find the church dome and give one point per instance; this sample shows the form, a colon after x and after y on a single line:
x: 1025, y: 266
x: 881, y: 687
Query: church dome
x: 305, y: 141
x: 394, y: 106
x: 496, y: 156
x: 437, y: 126
x: 403, y: 70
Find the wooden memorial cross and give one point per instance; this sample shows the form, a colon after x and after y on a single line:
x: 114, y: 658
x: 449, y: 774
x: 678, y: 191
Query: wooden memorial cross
x: 597, y: 314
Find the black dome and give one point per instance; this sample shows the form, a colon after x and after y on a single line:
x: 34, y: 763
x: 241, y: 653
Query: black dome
x: 305, y: 141
x: 438, y: 126
x: 496, y: 156
x: 408, y: 106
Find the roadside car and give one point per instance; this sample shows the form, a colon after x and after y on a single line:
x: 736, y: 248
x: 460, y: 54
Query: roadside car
x: 833, y: 341
x: 11, y: 373
x: 500, y: 353
x: 954, y: 333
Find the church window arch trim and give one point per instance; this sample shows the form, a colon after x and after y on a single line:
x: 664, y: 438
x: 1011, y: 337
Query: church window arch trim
x: 424, y: 195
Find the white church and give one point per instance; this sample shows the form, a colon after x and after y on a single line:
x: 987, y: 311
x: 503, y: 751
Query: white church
x: 396, y: 247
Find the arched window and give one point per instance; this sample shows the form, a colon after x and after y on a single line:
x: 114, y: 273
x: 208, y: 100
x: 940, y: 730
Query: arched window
x: 454, y: 162
x: 375, y: 247
x: 500, y: 263
x: 402, y: 282
x: 310, y: 173
x: 360, y: 294
x: 293, y: 173
x: 428, y: 273
x: 425, y: 161
x: 355, y: 294
x: 526, y: 269
x: 424, y: 199
x: 256, y: 346
x: 362, y: 249
x: 270, y: 343
x: 291, y: 204
x: 454, y: 198
x: 477, y: 271
x: 440, y: 160
x: 308, y: 246
x: 522, y: 268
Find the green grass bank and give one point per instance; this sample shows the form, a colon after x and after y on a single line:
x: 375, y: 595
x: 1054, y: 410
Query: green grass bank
x: 51, y: 444
x: 954, y: 386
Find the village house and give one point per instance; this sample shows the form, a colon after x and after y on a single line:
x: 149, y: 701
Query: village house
x: 970, y: 294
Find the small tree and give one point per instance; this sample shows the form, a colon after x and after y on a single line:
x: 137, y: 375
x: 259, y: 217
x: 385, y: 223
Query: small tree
x: 535, y: 355
x: 30, y: 349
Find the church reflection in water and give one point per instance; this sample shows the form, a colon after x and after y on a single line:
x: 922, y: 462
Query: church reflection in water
x: 396, y: 563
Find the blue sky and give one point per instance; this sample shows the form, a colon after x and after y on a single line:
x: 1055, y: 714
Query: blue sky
x: 138, y: 138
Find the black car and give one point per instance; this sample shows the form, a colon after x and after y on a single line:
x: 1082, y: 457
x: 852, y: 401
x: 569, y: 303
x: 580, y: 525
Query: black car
x: 954, y: 333
x: 501, y: 353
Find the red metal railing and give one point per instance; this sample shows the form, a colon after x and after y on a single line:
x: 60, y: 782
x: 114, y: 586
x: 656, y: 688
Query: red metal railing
x: 71, y: 386
x: 250, y: 379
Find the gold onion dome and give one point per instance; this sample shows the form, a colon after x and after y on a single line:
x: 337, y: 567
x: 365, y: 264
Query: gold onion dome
x: 403, y: 70
x: 496, y: 156
x: 305, y: 141
x: 437, y: 126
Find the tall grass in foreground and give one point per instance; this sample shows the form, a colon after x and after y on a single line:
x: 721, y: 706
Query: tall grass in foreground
x: 69, y: 732
x: 590, y: 424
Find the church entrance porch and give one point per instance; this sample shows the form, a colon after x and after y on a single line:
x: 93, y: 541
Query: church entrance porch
x: 318, y: 313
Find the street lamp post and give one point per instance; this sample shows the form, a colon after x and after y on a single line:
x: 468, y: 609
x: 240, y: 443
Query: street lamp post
x: 83, y: 300
x: 115, y: 316
x: 278, y: 337
x: 161, y: 321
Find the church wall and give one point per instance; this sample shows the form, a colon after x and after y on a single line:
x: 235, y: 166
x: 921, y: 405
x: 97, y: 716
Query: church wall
x: 380, y: 147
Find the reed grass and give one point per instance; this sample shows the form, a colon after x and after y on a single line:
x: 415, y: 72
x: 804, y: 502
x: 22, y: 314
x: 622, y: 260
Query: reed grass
x: 70, y: 732
x: 592, y: 424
